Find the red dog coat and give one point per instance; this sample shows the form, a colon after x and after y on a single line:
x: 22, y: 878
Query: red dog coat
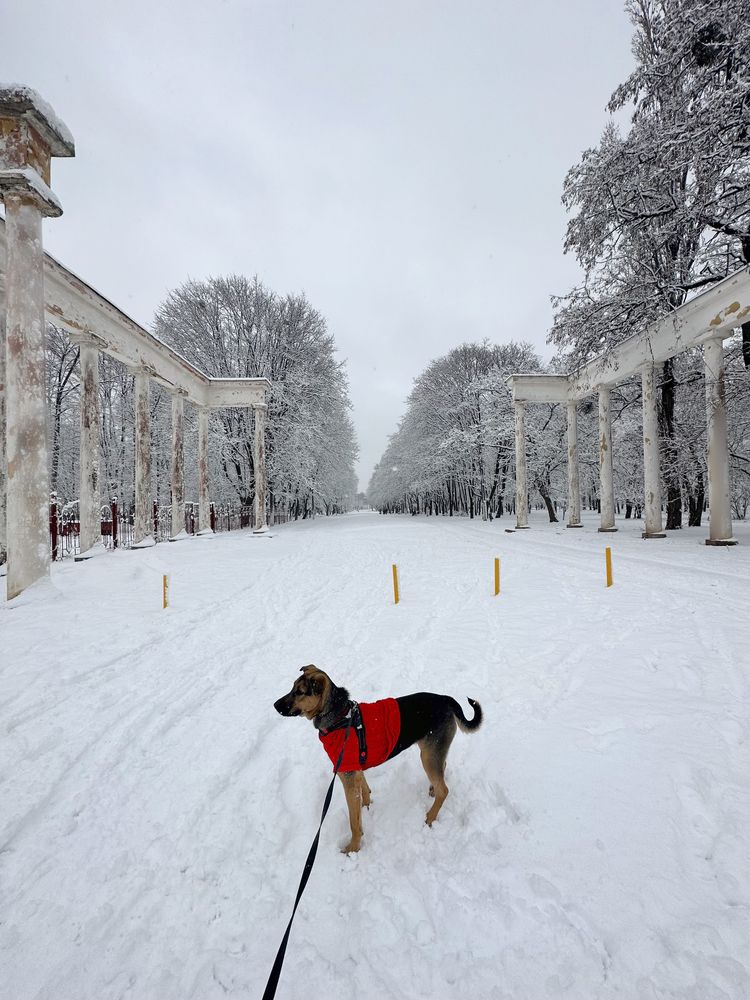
x: 382, y: 722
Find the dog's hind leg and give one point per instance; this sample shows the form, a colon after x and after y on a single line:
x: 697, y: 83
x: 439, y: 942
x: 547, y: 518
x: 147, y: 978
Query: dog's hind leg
x: 352, y: 782
x: 433, y: 750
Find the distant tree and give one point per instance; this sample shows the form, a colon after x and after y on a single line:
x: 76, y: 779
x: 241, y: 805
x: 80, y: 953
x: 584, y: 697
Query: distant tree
x: 233, y: 326
x: 454, y: 450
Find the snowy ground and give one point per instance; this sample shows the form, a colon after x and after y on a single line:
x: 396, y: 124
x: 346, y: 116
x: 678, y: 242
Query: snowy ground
x: 155, y: 811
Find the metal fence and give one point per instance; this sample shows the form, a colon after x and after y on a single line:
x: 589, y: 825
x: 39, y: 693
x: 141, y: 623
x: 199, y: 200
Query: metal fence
x: 117, y: 523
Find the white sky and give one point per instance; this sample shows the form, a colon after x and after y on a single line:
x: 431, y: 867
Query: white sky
x: 399, y: 162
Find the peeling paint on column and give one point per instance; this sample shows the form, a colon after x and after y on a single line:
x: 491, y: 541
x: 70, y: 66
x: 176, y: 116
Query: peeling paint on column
x: 30, y: 134
x: 204, y: 511
x: 522, y: 493
x: 178, y: 465
x: 651, y: 476
x: 26, y: 441
x: 574, y: 490
x: 259, y: 461
x: 720, y: 513
x: 89, y: 500
x: 143, y: 529
x: 606, y: 483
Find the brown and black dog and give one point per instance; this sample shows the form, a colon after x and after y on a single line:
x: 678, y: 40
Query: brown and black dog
x: 429, y: 720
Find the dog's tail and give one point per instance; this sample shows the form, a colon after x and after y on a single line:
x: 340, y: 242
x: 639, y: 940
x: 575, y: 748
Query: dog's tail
x: 464, y: 724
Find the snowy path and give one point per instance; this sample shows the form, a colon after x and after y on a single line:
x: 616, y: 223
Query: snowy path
x: 156, y: 811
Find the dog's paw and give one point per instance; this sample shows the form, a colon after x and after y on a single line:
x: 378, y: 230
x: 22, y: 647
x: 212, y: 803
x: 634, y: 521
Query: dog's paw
x: 351, y: 848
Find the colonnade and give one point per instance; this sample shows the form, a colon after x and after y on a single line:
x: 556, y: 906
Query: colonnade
x: 562, y: 389
x: 89, y: 496
x: 34, y: 287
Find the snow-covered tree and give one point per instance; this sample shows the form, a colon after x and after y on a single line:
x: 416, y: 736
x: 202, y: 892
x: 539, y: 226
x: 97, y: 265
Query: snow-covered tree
x: 663, y: 210
x: 234, y: 327
x: 454, y: 450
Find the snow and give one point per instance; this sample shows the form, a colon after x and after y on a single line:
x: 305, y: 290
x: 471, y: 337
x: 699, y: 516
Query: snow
x: 21, y: 96
x: 157, y: 811
x: 34, y: 182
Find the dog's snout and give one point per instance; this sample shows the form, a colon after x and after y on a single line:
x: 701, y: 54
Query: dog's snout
x: 279, y: 706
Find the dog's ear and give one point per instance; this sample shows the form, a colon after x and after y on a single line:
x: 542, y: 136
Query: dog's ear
x: 318, y: 683
x: 309, y: 668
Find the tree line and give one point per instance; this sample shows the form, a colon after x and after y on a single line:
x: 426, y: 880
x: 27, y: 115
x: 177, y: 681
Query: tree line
x: 658, y: 212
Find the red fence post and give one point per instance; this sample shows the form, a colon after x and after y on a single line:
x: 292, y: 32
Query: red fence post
x: 115, y: 524
x: 53, y: 524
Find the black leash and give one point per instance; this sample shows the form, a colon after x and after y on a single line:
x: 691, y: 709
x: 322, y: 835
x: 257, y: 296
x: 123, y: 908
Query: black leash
x: 273, y: 979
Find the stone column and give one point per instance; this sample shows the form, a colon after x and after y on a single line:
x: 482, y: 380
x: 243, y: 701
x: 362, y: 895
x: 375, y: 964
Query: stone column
x: 719, y: 506
x: 574, y: 489
x: 259, y: 463
x: 204, y: 510
x: 143, y: 536
x: 3, y: 457
x: 178, y: 466
x: 26, y: 407
x: 606, y: 484
x: 651, y: 483
x: 522, y: 493
x: 30, y: 135
x: 89, y: 502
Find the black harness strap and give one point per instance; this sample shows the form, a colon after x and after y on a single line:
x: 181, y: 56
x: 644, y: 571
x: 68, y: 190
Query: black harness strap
x: 273, y: 980
x: 353, y: 718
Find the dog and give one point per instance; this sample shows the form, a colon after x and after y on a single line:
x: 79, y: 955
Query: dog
x: 357, y: 737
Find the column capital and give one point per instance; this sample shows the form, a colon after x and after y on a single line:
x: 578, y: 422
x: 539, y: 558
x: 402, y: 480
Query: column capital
x: 260, y: 406
x: 30, y: 135
x: 177, y: 392
x: 27, y: 186
x: 85, y: 338
x: 712, y: 336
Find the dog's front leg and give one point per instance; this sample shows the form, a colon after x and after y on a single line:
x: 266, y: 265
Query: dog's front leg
x: 366, y: 795
x: 352, y: 782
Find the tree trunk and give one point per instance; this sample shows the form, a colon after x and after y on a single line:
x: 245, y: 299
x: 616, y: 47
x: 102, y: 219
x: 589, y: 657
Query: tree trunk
x: 543, y: 489
x: 671, y: 475
x: 696, y: 502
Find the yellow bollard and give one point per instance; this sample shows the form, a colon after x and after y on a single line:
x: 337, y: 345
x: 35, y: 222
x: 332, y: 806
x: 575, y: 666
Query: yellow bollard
x: 497, y: 576
x: 165, y: 587
x: 395, y: 584
x: 608, y: 561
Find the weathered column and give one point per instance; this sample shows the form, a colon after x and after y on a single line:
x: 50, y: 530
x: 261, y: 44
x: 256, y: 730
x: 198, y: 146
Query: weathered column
x: 204, y: 511
x: 89, y: 502
x: 719, y: 506
x: 143, y: 536
x: 26, y: 406
x: 178, y: 466
x: 606, y: 484
x: 3, y: 457
x: 259, y: 462
x: 29, y: 136
x: 651, y: 483
x: 574, y: 490
x: 522, y: 493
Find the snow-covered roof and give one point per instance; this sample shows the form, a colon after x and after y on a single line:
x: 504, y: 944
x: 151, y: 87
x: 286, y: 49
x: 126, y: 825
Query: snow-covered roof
x: 19, y: 101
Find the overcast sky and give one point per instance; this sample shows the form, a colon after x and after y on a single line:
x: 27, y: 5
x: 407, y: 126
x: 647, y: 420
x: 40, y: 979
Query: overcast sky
x: 399, y: 162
